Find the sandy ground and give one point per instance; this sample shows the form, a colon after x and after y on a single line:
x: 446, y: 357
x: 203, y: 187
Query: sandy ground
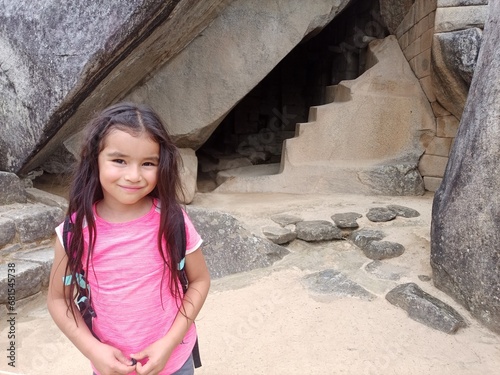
x: 267, y: 322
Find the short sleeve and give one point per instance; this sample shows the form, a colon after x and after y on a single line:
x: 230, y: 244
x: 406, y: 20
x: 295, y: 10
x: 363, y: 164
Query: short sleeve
x: 59, y: 232
x: 193, y: 239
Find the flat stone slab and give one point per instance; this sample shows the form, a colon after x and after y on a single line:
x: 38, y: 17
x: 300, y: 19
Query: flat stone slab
x: 279, y: 235
x: 285, y: 219
x: 43, y: 256
x: 346, y: 220
x: 35, y: 222
x: 426, y: 309
x: 318, y: 230
x: 363, y: 237
x: 28, y: 279
x: 380, y: 214
x: 334, y: 283
x: 403, y: 211
x: 47, y: 198
x: 379, y: 250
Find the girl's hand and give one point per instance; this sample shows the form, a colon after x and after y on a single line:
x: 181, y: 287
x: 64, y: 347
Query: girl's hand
x: 157, y: 353
x: 111, y: 361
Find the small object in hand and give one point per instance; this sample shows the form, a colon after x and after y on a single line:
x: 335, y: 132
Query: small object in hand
x: 134, y: 361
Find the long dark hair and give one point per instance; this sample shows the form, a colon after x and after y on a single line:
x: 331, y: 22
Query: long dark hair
x: 86, y: 188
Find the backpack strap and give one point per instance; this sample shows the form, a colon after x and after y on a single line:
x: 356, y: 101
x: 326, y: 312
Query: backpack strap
x: 82, y: 297
x: 182, y: 254
x: 67, y: 226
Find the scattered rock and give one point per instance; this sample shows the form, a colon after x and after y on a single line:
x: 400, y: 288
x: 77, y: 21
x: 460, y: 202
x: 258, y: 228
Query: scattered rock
x: 285, y: 219
x: 346, y: 220
x: 363, y: 237
x: 403, y: 211
x: 318, y: 230
x: 380, y: 214
x: 424, y: 278
x: 279, y: 235
x: 379, y: 250
x: 336, y: 284
x: 425, y: 308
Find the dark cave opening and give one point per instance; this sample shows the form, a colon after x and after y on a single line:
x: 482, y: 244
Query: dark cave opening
x: 254, y: 130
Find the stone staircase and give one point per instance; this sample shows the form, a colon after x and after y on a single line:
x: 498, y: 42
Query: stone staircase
x: 28, y: 217
x: 366, y: 139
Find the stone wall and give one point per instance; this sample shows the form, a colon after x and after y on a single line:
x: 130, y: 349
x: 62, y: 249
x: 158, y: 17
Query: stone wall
x: 419, y: 35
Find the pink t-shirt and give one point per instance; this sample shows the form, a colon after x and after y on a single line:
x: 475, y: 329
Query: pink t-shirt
x: 134, y: 308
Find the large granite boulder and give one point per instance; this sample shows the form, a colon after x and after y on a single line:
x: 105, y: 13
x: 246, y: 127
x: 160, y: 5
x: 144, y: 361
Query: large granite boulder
x: 465, y: 255
x: 454, y: 56
x: 58, y: 73
x: 61, y: 61
x: 197, y: 88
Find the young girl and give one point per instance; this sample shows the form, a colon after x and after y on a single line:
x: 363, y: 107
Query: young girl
x: 124, y: 219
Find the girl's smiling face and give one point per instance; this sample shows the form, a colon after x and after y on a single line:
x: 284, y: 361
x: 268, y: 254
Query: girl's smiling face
x: 128, y: 171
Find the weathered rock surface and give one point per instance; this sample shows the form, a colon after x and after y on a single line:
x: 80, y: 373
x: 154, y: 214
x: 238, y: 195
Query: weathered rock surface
x: 346, y: 220
x: 11, y: 189
x: 363, y: 237
x: 336, y: 284
x: 156, y: 43
x: 237, y: 50
x: 425, y: 308
x: 393, y: 12
x: 228, y: 247
x: 60, y: 63
x: 454, y: 56
x: 403, y: 211
x: 279, y: 235
x: 399, y: 178
x: 317, y: 230
x: 460, y: 17
x: 379, y: 250
x: 188, y: 174
x: 458, y: 3
x: 29, y: 279
x: 465, y: 256
x: 380, y: 214
x: 35, y: 222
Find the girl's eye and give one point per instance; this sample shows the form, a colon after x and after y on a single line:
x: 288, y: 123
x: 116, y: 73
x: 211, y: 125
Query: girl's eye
x: 149, y: 164
x: 119, y: 161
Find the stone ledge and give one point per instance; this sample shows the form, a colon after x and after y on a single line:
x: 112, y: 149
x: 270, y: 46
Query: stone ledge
x: 28, y: 279
x: 432, y: 183
x: 459, y: 3
x: 459, y: 18
x: 433, y: 166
